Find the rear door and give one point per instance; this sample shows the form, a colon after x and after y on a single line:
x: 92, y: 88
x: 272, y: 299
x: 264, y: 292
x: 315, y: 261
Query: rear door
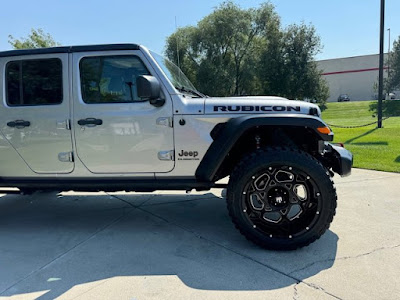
x: 35, y: 111
x: 116, y: 132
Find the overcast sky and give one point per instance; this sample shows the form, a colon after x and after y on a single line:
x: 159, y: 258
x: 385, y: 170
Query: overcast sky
x: 346, y: 27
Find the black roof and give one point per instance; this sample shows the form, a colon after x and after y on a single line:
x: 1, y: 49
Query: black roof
x: 70, y: 49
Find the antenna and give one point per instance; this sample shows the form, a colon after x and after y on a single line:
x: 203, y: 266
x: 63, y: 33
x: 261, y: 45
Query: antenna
x: 177, y: 48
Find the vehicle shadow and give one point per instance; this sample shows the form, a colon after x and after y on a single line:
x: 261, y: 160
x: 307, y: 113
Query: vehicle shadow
x: 56, y: 244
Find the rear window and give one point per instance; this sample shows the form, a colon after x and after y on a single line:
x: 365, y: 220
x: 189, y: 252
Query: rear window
x: 34, y: 82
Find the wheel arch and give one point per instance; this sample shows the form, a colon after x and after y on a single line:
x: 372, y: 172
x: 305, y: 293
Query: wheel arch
x: 231, y: 139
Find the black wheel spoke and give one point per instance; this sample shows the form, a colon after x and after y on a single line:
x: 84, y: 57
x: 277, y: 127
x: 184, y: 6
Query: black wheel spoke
x: 281, y: 201
x: 293, y: 197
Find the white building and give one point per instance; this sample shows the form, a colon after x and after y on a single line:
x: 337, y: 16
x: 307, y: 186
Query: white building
x: 355, y: 76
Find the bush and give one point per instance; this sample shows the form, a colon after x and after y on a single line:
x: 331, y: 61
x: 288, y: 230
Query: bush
x: 390, y: 108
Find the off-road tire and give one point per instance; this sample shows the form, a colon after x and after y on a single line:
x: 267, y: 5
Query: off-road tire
x: 317, y: 181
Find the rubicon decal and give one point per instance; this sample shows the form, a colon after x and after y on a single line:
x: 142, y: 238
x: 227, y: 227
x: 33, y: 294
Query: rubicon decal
x: 188, y: 155
x: 255, y: 108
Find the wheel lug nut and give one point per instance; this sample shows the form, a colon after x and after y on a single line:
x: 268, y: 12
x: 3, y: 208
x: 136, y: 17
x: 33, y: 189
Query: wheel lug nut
x: 318, y: 194
x: 290, y: 236
x: 308, y: 177
x: 253, y: 177
x: 254, y: 226
x: 307, y: 228
x: 290, y: 168
x: 244, y: 210
x: 317, y: 212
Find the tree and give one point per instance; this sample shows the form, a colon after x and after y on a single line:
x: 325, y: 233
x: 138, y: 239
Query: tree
x: 393, y: 81
x: 234, y: 51
x: 182, y: 53
x: 36, y: 39
x: 389, y: 108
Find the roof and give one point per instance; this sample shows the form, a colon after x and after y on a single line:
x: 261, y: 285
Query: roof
x: 70, y: 49
x: 350, y: 57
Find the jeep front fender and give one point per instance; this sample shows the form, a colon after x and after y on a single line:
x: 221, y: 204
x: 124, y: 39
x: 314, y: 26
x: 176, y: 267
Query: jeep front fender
x: 340, y: 159
x: 236, y: 127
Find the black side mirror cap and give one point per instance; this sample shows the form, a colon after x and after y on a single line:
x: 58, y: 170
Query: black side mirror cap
x: 148, y: 87
x: 157, y: 102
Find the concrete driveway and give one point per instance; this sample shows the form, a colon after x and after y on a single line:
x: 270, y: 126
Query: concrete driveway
x: 177, y: 246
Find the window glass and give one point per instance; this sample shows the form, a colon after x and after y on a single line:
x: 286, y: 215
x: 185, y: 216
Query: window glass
x: 34, y: 82
x: 110, y: 79
x: 174, y: 74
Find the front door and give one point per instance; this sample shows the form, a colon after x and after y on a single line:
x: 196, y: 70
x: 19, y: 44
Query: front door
x: 35, y: 111
x: 115, y: 131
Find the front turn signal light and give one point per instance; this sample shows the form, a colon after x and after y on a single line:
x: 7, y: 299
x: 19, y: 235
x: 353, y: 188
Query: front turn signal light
x: 324, y: 130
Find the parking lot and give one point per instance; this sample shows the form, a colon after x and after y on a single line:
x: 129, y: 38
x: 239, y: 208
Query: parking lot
x: 173, y: 245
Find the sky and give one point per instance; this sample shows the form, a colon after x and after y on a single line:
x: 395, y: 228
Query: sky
x: 346, y: 27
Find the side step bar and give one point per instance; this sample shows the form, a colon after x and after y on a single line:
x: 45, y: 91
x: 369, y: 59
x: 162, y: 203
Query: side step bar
x: 28, y: 187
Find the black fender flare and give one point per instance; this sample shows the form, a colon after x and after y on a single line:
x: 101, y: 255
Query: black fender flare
x: 235, y: 127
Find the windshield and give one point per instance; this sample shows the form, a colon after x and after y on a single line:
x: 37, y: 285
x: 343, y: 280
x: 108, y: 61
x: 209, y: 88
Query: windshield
x: 174, y: 74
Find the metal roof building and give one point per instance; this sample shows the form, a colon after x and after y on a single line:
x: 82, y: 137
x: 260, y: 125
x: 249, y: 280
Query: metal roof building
x: 355, y: 76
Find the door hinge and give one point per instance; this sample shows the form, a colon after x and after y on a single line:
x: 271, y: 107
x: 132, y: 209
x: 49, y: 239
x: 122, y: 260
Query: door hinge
x: 65, y: 124
x: 165, y: 121
x: 166, y: 155
x: 66, y: 156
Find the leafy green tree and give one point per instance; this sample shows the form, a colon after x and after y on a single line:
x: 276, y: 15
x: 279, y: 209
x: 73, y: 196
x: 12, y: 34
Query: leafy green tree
x: 36, y: 39
x: 390, y: 108
x: 300, y: 46
x: 182, y: 42
x: 393, y: 81
x: 218, y: 54
x: 234, y: 51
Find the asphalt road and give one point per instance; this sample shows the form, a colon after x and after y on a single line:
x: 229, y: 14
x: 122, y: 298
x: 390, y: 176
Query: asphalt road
x: 177, y: 246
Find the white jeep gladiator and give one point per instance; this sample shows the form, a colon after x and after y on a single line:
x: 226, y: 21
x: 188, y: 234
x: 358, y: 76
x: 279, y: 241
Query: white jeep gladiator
x: 120, y: 117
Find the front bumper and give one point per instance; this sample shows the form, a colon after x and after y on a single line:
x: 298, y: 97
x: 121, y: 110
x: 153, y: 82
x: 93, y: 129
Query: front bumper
x: 340, y: 159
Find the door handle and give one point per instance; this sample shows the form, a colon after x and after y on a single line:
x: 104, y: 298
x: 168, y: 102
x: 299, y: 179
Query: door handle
x: 90, y: 122
x: 19, y: 124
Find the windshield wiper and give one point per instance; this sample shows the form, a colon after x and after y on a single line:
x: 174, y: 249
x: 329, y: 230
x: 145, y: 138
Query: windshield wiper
x: 193, y: 92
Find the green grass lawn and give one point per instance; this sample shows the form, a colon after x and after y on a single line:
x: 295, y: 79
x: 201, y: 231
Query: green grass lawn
x: 376, y: 149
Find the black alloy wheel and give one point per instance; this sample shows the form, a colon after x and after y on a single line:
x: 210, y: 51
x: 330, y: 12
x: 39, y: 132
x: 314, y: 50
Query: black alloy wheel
x: 281, y: 198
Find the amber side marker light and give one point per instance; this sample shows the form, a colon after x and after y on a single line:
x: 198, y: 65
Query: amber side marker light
x: 324, y: 130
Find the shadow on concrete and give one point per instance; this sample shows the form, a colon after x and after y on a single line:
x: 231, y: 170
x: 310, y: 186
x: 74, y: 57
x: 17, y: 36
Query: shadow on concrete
x: 82, y: 239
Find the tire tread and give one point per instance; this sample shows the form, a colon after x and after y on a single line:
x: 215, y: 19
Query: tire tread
x: 241, y: 168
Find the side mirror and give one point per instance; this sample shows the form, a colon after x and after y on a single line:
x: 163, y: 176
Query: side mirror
x: 148, y: 88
